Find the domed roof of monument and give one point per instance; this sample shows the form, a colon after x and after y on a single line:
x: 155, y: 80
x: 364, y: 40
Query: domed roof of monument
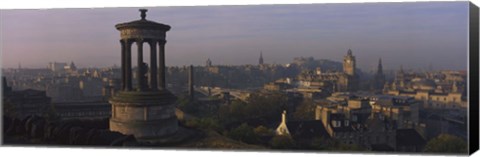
x: 143, y: 23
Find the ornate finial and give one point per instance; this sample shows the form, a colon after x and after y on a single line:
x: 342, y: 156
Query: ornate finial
x: 143, y: 13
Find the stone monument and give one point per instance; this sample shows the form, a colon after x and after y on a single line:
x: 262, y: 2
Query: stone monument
x: 146, y: 111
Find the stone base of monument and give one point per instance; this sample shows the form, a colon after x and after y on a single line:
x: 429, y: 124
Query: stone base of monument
x: 147, y: 115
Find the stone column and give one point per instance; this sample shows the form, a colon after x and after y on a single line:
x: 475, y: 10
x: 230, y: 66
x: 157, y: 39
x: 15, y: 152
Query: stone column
x: 128, y: 63
x: 161, y: 62
x: 191, y: 83
x: 140, y: 66
x: 153, y: 65
x: 123, y: 83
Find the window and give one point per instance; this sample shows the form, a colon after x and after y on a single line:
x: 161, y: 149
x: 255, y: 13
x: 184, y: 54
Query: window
x: 335, y: 123
x: 354, y: 118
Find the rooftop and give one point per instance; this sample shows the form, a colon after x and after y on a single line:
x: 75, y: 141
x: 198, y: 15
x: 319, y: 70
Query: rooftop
x: 143, y: 23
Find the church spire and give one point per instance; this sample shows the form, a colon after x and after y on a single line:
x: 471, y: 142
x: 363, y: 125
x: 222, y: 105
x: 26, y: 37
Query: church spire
x: 208, y: 63
x: 379, y: 80
x: 380, y: 67
x: 72, y: 66
x: 260, y: 60
x: 282, y: 128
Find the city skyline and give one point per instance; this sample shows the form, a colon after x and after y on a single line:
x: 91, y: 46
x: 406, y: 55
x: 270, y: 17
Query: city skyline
x: 434, y: 32
x: 362, y: 77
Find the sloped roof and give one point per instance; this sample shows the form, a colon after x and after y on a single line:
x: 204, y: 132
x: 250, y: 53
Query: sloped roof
x: 143, y: 23
x: 409, y: 137
x: 307, y: 129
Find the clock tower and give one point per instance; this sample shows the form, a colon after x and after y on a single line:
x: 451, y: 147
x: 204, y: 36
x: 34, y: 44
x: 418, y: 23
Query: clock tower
x: 349, y: 63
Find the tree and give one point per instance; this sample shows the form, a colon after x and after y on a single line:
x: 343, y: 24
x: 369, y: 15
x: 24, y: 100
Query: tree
x: 205, y: 123
x: 232, y: 113
x: 266, y: 105
x: 445, y: 143
x: 282, y: 142
x: 184, y: 104
x: 243, y: 133
x: 321, y: 143
x: 305, y: 111
x: 9, y: 108
x: 259, y: 106
x: 263, y: 131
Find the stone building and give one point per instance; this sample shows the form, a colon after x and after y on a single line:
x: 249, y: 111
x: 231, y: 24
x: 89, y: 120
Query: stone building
x: 24, y: 102
x: 71, y: 67
x: 277, y: 86
x: 56, y: 66
x: 440, y: 90
x: 424, y: 91
x: 370, y: 126
x: 348, y: 80
x: 404, y: 110
x: 435, y: 100
x: 110, y: 88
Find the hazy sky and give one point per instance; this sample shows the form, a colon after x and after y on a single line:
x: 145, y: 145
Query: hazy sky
x: 412, y: 34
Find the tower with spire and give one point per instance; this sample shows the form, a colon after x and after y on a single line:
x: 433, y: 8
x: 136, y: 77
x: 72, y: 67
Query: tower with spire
x: 349, y: 79
x: 400, y: 77
x: 282, y: 128
x: 379, y: 79
x: 208, y: 63
x: 380, y: 67
x: 260, y: 60
x: 72, y: 66
x: 349, y: 64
